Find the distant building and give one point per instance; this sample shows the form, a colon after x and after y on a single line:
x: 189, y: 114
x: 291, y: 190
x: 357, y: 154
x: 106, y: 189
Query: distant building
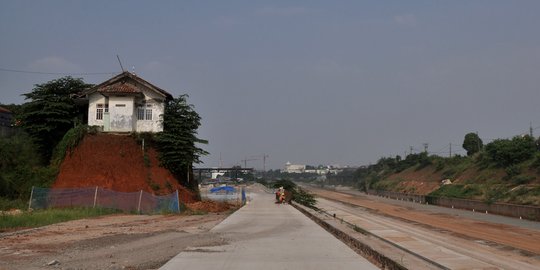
x: 319, y: 170
x: 5, y: 117
x: 294, y: 168
x: 6, y: 129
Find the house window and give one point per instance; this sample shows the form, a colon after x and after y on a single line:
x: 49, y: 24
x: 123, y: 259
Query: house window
x: 99, y: 112
x: 148, y: 112
x: 100, y: 109
x: 144, y: 112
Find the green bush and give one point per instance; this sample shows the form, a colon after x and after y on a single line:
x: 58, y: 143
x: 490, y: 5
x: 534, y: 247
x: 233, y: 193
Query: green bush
x: 20, y: 167
x: 299, y: 195
x: 506, y: 152
x: 457, y: 191
x: 512, y: 171
x: 71, y: 139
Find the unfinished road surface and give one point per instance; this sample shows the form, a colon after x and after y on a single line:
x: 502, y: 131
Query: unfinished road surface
x: 264, y: 235
x: 451, y: 240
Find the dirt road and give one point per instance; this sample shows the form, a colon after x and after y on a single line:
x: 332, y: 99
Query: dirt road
x: 109, y: 242
x: 511, y: 237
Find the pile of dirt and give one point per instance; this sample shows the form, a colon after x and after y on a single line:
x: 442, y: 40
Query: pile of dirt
x: 119, y: 163
x: 210, y: 206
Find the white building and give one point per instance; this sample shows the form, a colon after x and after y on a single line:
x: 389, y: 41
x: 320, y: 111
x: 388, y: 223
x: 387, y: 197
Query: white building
x: 126, y: 103
x: 294, y: 168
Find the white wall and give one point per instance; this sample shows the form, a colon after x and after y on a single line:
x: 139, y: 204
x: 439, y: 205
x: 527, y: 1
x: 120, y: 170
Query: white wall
x: 94, y: 99
x: 121, y: 113
x: 158, y: 109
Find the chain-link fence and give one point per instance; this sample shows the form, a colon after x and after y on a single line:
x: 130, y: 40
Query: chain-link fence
x: 137, y: 202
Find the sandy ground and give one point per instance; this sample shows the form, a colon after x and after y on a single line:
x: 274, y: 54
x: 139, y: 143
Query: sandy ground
x: 523, y: 240
x: 109, y: 242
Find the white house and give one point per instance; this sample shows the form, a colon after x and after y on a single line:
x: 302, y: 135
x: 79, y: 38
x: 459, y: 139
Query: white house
x: 126, y: 103
x: 294, y: 168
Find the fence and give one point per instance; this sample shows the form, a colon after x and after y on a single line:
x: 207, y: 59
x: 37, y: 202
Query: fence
x: 505, y: 209
x: 226, y: 195
x: 398, y: 195
x: 139, y: 202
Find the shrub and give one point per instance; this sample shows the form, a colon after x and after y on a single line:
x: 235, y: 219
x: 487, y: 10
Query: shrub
x: 512, y: 170
x: 70, y: 140
x: 508, y: 152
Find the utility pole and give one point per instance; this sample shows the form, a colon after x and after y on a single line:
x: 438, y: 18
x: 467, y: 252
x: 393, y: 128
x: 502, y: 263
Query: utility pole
x: 478, y: 141
x: 450, y: 149
x: 531, y: 130
x: 264, y: 165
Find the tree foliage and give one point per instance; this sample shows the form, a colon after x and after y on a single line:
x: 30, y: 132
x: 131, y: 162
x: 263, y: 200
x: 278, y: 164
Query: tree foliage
x: 178, y: 142
x: 506, y: 152
x: 472, y: 143
x: 19, y: 167
x: 51, y: 111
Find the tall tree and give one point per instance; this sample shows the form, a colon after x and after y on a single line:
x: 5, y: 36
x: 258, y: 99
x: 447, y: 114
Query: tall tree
x: 472, y: 143
x: 51, y: 111
x: 178, y: 142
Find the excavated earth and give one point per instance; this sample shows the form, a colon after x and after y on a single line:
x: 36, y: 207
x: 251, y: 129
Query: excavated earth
x: 119, y: 163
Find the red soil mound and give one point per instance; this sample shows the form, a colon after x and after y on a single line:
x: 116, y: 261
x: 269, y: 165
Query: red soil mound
x: 210, y: 206
x: 118, y: 163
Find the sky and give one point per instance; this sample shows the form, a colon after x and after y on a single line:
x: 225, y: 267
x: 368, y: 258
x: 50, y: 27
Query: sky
x: 309, y: 82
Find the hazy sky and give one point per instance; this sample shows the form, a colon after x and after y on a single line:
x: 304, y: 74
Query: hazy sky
x: 316, y: 82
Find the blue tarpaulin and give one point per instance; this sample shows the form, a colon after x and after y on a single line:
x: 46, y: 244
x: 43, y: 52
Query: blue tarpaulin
x: 225, y: 188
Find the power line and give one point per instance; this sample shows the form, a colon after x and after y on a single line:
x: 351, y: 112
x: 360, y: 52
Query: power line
x: 57, y: 73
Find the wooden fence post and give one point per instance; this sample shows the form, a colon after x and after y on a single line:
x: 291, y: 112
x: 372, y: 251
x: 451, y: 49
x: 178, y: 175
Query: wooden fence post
x: 139, y: 207
x: 178, y: 200
x: 30, y: 201
x: 95, y: 197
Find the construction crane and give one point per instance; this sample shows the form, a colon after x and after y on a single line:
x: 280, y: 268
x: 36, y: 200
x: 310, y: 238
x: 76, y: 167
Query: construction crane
x: 248, y: 159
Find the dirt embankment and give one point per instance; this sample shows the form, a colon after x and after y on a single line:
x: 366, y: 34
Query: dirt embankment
x: 421, y: 181
x: 119, y: 163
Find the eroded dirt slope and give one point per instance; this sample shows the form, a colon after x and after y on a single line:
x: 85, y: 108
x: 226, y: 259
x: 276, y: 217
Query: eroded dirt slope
x: 117, y: 162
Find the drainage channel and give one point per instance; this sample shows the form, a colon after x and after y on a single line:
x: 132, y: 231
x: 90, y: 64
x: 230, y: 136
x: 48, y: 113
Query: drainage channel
x: 382, y: 260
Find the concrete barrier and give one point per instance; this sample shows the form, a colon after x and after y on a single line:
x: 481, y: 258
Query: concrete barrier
x: 361, y: 248
x: 504, y: 209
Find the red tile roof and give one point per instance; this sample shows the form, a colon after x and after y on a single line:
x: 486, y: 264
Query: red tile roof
x: 119, y: 88
x: 4, y: 110
x: 120, y: 84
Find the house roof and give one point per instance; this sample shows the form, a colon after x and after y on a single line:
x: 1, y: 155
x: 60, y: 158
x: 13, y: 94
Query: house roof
x: 120, y: 84
x: 4, y: 110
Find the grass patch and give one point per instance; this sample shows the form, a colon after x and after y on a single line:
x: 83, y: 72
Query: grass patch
x: 40, y: 218
x: 7, y: 204
x: 458, y: 191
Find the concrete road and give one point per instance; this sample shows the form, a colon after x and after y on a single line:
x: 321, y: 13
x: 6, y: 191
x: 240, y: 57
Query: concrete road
x: 264, y: 235
x: 449, y: 250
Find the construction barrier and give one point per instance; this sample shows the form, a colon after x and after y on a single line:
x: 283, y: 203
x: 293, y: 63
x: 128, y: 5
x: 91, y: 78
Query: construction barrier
x: 138, y: 202
x: 504, y: 209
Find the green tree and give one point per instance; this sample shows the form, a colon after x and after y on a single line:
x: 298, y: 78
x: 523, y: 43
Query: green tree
x: 51, y: 111
x: 509, y: 152
x: 178, y: 142
x: 19, y: 167
x: 472, y: 143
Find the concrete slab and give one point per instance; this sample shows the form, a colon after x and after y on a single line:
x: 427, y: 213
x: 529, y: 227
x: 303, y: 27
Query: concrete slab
x: 264, y: 235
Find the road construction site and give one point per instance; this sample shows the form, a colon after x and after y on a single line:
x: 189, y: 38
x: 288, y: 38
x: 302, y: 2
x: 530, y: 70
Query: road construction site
x: 349, y: 230
x: 443, y: 238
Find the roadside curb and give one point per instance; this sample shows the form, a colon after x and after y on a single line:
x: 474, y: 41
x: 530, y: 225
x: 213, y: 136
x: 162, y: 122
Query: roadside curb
x: 357, y: 245
x: 379, y: 251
